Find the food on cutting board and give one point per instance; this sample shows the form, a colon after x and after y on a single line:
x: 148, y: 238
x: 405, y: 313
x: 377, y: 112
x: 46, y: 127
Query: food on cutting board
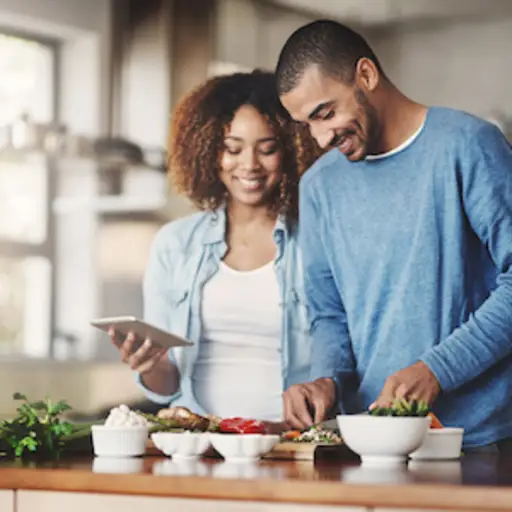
x: 315, y: 434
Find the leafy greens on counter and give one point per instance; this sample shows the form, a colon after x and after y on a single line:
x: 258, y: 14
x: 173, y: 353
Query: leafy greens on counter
x: 38, y: 429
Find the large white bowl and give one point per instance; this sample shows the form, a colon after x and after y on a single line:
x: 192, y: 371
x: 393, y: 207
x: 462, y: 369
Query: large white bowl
x: 383, y: 439
x: 243, y: 447
x: 440, y: 444
x: 182, y: 445
x: 119, y: 441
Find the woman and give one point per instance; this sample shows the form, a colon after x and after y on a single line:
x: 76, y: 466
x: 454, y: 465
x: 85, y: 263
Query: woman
x: 229, y: 278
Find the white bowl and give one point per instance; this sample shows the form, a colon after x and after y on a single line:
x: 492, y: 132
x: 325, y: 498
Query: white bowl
x: 440, y: 444
x: 383, y: 439
x: 119, y: 441
x: 243, y: 447
x: 182, y: 445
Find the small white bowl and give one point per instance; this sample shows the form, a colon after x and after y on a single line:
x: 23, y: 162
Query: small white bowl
x: 119, y: 441
x: 383, y: 440
x: 243, y: 447
x: 440, y: 444
x: 182, y: 445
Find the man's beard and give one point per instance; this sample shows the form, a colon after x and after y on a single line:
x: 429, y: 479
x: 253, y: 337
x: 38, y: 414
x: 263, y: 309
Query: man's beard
x: 373, y: 127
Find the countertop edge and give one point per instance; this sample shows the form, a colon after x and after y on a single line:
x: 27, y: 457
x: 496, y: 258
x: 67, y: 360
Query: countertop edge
x: 443, y: 496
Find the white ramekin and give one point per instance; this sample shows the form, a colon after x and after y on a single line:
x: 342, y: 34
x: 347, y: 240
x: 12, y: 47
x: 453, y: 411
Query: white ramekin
x: 119, y: 441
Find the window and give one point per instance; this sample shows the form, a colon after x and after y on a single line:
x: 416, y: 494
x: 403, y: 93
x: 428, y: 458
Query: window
x: 27, y: 90
x: 25, y: 307
x: 23, y: 198
x: 27, y: 84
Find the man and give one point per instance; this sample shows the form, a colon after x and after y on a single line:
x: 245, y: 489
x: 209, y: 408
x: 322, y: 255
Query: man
x: 406, y: 233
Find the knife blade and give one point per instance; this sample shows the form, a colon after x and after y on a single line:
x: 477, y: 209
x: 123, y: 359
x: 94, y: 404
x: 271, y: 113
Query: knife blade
x: 330, y: 424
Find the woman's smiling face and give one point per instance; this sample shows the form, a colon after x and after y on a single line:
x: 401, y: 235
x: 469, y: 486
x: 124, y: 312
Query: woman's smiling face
x: 250, y: 165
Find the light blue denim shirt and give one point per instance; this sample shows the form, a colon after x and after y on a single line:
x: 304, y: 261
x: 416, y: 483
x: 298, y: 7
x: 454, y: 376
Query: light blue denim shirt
x: 184, y: 255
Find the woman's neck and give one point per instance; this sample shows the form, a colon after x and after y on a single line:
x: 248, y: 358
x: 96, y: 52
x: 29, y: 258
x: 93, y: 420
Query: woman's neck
x: 241, y: 215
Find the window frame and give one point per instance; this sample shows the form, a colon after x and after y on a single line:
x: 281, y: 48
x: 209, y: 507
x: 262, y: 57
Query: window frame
x: 54, y: 45
x: 45, y: 249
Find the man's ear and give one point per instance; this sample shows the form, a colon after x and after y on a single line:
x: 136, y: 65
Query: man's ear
x: 367, y: 76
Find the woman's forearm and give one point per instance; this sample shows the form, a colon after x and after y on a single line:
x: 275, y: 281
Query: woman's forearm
x: 163, y: 378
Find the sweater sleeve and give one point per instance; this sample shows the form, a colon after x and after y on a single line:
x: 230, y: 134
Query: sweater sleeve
x: 331, y: 346
x: 486, y: 337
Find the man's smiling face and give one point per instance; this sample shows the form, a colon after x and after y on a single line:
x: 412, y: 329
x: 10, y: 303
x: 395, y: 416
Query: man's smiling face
x: 337, y: 114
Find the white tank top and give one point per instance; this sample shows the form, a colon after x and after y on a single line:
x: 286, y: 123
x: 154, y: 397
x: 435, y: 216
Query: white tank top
x: 238, y: 369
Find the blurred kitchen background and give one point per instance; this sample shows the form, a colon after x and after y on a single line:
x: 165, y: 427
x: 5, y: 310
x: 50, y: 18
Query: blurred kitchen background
x: 86, y: 89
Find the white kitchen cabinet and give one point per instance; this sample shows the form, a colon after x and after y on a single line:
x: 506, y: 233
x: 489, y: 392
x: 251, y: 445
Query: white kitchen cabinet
x: 7, y: 501
x: 46, y: 501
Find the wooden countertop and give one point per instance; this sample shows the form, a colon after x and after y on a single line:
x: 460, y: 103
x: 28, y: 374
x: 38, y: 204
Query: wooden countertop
x: 482, y: 483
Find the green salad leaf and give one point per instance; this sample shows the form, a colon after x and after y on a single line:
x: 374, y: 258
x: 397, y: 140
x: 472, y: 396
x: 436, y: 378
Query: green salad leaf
x: 403, y: 408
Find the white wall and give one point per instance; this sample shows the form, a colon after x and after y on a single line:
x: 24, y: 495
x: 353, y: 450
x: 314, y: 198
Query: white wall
x: 277, y: 24
x: 145, y: 87
x: 250, y: 34
x: 56, y: 16
x: 83, y: 27
x: 463, y: 65
x: 237, y: 32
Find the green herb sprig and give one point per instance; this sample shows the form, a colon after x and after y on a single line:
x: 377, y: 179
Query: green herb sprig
x: 38, y: 429
x: 403, y: 408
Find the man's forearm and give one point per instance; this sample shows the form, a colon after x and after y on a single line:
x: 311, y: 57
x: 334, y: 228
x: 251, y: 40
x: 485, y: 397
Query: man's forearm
x: 481, y: 342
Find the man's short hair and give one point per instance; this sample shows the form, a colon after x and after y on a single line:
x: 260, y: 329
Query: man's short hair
x: 333, y: 47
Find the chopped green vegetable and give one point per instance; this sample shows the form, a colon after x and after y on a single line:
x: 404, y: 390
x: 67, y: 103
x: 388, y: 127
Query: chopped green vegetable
x: 315, y: 434
x: 403, y: 408
x: 38, y: 429
x: 176, y: 424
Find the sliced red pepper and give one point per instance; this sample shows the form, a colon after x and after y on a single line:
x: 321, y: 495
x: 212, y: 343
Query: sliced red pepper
x: 435, y: 421
x: 242, y: 426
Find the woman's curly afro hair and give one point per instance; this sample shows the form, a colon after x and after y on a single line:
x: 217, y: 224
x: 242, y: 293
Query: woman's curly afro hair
x: 197, y: 139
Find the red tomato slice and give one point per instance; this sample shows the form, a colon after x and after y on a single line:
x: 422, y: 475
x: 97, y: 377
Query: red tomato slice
x: 242, y: 426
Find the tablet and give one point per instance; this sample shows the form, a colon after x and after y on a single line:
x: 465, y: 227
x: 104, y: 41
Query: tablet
x: 142, y: 330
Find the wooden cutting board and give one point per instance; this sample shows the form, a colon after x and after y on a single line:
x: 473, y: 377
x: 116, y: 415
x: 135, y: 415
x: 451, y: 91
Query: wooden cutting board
x: 305, y: 451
